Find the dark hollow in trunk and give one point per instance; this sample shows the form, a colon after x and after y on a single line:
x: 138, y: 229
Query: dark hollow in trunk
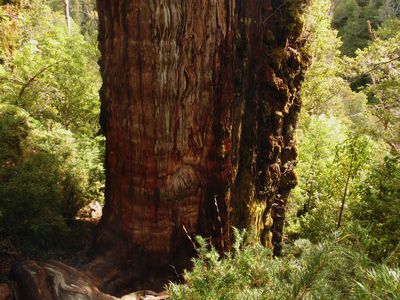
x: 199, y: 108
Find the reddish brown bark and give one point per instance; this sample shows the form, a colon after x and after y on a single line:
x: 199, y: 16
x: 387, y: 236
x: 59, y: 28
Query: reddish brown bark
x: 166, y: 93
x: 200, y: 100
x: 199, y: 106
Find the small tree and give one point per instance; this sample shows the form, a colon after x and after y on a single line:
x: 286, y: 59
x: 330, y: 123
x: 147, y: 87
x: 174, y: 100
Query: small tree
x: 378, y: 209
x: 351, y: 158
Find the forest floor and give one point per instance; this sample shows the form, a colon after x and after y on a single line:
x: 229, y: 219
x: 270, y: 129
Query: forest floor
x: 73, y: 249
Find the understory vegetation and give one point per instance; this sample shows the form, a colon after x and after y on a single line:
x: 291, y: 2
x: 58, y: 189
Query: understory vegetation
x: 349, y: 142
x: 336, y: 268
x: 50, y: 147
x: 343, y: 219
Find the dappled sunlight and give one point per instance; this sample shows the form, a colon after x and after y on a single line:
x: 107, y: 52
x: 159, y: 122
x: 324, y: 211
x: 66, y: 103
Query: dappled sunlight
x: 197, y: 150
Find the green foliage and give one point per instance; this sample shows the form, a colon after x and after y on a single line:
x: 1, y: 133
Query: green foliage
x: 45, y: 177
x: 9, y: 31
x: 50, y: 151
x: 324, y: 90
x: 351, y: 19
x: 342, y: 135
x: 321, y: 84
x: 378, y: 209
x: 333, y: 145
x: 52, y: 75
x: 350, y: 162
x: 332, y: 163
x: 83, y: 12
x: 313, y: 210
x: 329, y: 270
x: 380, y: 63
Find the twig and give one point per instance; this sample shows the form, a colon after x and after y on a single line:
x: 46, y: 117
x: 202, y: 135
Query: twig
x: 377, y: 66
x: 190, y: 239
x: 220, y: 222
x: 26, y: 85
x: 275, y: 11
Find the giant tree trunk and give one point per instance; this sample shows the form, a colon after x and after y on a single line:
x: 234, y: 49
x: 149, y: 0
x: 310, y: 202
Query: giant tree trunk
x: 199, y: 107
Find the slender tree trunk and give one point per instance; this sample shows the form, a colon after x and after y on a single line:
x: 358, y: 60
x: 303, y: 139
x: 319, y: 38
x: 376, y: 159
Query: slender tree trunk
x: 67, y: 16
x: 199, y: 107
x: 346, y: 188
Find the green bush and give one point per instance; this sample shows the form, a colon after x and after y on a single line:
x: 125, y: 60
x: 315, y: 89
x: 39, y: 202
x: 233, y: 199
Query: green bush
x: 378, y: 209
x: 329, y: 270
x: 46, y: 176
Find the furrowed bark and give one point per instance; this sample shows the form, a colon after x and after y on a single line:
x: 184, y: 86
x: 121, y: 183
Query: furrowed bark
x: 270, y: 69
x: 166, y: 95
x: 199, y: 107
x: 200, y: 102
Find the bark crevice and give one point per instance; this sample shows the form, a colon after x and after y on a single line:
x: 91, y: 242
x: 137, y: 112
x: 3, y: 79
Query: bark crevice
x: 199, y: 108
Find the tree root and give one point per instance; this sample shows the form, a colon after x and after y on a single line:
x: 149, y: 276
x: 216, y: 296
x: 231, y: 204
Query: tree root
x: 52, y: 280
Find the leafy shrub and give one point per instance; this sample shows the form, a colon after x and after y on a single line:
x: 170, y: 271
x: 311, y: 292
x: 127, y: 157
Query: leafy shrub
x: 378, y: 209
x: 46, y: 176
x: 329, y: 270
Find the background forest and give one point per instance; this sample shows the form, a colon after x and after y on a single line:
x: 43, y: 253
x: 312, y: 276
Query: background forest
x: 343, y: 221
x: 50, y: 146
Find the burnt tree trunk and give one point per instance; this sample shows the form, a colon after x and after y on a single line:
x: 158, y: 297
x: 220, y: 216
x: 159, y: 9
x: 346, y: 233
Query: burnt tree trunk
x: 199, y: 107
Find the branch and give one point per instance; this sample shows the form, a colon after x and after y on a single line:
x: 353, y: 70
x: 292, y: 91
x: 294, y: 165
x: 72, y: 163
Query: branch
x: 275, y: 11
x: 377, y: 66
x: 26, y: 85
x: 371, y: 31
